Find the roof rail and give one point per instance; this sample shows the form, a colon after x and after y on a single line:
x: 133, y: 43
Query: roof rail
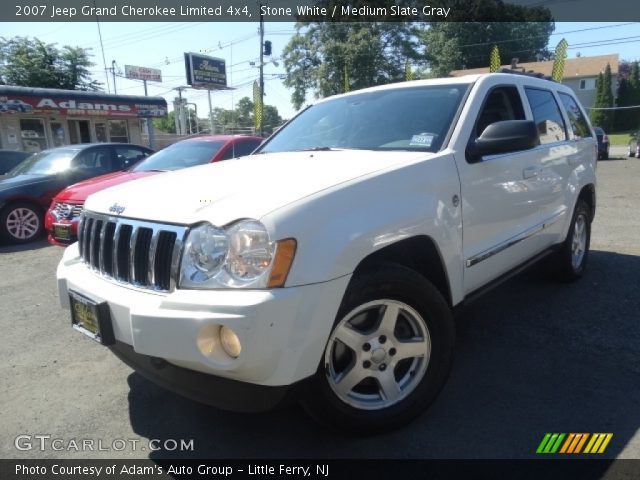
x: 530, y: 73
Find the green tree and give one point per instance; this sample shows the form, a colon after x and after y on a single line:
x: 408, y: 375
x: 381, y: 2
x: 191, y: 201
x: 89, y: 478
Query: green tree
x: 628, y: 95
x: 600, y: 115
x: 243, y: 115
x: 456, y: 45
x: 29, y: 62
x: 168, y: 124
x: 373, y: 53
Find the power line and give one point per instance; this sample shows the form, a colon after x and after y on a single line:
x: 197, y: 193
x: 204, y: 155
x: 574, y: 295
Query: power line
x: 542, y: 36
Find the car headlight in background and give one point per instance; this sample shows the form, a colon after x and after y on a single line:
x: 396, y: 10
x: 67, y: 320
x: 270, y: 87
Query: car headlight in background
x: 241, y: 255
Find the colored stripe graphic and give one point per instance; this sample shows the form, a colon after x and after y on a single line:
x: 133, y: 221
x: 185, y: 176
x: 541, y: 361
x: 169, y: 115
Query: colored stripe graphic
x: 598, y: 443
x: 550, y: 443
x: 574, y: 443
x: 567, y: 443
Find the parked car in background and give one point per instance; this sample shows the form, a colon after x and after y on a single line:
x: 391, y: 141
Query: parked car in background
x: 9, y: 159
x: 634, y: 147
x: 61, y: 221
x: 27, y: 190
x: 603, y: 143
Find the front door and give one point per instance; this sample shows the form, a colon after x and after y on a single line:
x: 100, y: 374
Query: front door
x: 79, y: 131
x: 501, y: 208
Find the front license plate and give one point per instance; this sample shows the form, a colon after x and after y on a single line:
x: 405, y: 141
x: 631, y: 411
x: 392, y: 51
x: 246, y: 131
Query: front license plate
x: 62, y: 232
x: 91, y: 318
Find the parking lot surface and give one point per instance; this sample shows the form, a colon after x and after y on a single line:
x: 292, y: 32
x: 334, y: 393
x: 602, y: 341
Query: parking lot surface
x: 531, y: 357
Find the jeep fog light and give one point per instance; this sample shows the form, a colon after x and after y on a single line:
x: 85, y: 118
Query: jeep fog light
x: 230, y: 342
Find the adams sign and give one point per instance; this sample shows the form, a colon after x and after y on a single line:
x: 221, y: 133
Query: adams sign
x: 33, y: 101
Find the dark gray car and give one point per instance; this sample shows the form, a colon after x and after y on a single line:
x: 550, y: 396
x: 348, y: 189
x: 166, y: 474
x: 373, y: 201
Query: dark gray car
x: 9, y: 159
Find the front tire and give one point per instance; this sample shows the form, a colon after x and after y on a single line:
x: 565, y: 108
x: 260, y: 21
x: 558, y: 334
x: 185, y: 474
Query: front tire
x: 20, y: 223
x: 388, y: 355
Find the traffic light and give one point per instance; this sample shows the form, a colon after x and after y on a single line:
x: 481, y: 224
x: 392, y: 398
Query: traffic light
x: 267, y: 47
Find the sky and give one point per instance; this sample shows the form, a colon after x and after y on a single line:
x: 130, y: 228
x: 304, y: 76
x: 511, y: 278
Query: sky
x: 162, y: 46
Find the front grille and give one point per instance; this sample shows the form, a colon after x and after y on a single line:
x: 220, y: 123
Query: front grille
x: 142, y: 254
x: 67, y: 211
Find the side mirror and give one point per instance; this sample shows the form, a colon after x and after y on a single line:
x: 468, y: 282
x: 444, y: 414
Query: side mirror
x: 502, y: 137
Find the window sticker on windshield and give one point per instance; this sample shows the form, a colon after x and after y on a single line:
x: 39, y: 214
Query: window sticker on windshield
x: 422, y: 140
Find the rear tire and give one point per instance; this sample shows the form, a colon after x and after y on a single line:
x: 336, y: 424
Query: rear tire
x: 20, y: 222
x: 388, y: 355
x: 570, y: 262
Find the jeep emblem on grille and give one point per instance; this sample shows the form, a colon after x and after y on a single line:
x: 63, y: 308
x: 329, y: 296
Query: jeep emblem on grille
x: 115, y: 208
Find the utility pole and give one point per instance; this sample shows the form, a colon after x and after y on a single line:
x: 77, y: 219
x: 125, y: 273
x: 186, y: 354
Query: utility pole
x: 113, y: 72
x: 149, y: 121
x: 261, y: 63
x: 195, y: 106
x: 180, y: 125
x: 212, y: 128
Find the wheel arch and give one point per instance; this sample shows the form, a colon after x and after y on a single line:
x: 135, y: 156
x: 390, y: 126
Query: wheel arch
x: 588, y: 194
x: 419, y: 253
x: 27, y: 200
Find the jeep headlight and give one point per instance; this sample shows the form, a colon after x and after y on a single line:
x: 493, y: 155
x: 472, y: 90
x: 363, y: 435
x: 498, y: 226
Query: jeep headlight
x: 241, y: 255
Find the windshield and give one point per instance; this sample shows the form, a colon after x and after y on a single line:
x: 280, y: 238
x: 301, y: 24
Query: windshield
x: 180, y: 155
x: 414, y: 118
x: 46, y: 163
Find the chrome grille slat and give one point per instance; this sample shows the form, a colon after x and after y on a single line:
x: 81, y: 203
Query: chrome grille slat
x: 132, y: 255
x: 124, y: 243
x: 95, y: 244
x: 101, y: 249
x: 153, y: 251
x: 141, y: 254
x: 88, y: 224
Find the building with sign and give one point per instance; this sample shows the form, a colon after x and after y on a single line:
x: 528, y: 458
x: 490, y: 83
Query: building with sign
x: 33, y: 119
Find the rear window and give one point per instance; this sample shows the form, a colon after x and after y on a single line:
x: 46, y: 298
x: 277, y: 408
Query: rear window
x: 180, y: 155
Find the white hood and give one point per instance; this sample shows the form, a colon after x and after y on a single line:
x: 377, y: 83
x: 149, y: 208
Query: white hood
x: 249, y: 187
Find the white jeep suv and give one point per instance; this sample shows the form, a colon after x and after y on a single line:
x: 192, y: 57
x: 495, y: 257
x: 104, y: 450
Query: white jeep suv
x: 326, y: 265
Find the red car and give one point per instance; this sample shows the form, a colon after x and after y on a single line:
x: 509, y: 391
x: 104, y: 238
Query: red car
x: 61, y: 221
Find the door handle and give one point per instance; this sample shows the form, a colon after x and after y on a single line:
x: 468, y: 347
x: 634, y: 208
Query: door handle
x: 530, y: 172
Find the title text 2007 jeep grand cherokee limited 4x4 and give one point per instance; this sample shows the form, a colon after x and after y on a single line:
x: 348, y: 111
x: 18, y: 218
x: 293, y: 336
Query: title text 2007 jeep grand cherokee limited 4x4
x: 328, y: 262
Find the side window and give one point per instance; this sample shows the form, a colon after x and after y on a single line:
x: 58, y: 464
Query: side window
x: 240, y: 149
x: 129, y: 156
x: 547, y: 116
x: 94, y: 161
x: 228, y: 154
x: 577, y: 120
x: 246, y: 147
x: 502, y: 103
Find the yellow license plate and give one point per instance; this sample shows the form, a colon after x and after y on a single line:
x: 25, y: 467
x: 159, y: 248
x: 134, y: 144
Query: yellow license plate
x: 91, y: 318
x: 62, y: 232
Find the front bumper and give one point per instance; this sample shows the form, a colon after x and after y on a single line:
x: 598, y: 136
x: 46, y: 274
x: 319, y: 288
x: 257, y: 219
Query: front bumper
x: 282, y: 331
x: 219, y: 392
x: 49, y: 222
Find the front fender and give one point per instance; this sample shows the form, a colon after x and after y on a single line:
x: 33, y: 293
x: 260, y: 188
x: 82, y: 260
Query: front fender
x: 338, y: 228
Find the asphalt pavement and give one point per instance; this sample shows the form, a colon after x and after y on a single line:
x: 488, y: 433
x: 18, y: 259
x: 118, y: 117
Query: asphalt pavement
x: 531, y: 357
